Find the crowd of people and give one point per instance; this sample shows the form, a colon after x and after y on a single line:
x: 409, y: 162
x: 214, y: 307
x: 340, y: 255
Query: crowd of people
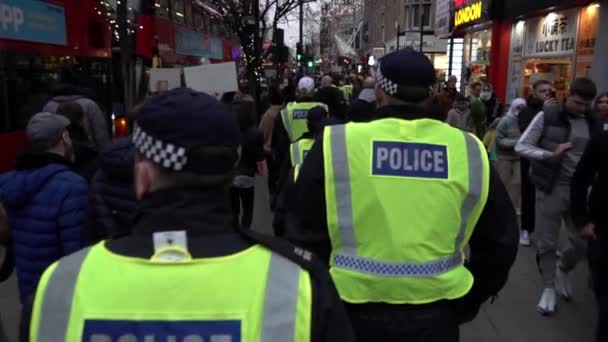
x: 181, y: 189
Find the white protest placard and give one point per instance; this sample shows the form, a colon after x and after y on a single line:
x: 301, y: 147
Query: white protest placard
x: 164, y: 79
x: 213, y: 79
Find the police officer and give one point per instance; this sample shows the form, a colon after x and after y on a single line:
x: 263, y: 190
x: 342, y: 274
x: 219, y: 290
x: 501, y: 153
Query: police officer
x: 299, y: 148
x: 185, y: 273
x: 391, y: 205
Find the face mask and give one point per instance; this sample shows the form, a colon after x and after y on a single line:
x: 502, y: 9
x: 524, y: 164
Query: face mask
x: 486, y: 95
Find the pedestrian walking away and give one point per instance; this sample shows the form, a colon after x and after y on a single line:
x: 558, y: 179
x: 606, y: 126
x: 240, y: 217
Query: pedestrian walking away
x: 185, y: 266
x: 554, y: 143
x: 508, y: 164
x: 373, y: 198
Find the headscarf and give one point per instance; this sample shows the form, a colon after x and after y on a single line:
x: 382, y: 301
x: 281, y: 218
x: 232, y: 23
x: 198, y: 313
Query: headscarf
x: 513, y: 111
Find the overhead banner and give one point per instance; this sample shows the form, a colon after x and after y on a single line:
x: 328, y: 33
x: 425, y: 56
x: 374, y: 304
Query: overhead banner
x: 552, y: 35
x: 33, y: 21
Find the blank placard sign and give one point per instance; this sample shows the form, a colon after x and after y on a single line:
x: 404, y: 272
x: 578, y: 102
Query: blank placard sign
x: 213, y: 79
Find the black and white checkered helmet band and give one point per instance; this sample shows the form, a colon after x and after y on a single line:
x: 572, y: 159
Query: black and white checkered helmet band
x: 167, y: 155
x: 387, y: 85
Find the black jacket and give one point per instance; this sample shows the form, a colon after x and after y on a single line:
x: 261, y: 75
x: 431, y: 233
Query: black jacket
x: 334, y: 99
x: 525, y: 117
x: 206, y: 215
x: 592, y: 171
x: 493, y: 244
x: 252, y: 152
x: 111, y: 193
x: 361, y: 111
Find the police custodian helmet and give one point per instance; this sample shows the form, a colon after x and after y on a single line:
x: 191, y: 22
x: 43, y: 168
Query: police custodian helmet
x: 406, y: 74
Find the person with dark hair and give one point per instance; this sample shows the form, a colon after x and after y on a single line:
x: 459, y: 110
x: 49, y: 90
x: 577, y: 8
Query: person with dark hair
x: 375, y: 202
x: 448, y: 95
x: 331, y: 96
x: 460, y: 116
x: 316, y: 121
x: 96, y: 125
x: 185, y: 266
x: 111, y: 195
x: 85, y: 162
x: 601, y: 108
x: 363, y: 107
x: 554, y: 143
x: 478, y: 116
x: 542, y: 93
x: 267, y: 126
x: 242, y: 191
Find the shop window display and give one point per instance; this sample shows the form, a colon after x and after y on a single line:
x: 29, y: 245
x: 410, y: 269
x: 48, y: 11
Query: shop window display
x: 558, y: 71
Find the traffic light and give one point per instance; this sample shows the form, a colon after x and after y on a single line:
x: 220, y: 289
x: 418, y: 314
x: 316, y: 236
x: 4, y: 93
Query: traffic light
x: 310, y: 63
x: 299, y: 52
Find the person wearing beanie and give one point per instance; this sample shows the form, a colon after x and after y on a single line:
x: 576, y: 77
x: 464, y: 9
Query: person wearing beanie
x: 185, y: 271
x: 45, y: 200
x: 390, y: 205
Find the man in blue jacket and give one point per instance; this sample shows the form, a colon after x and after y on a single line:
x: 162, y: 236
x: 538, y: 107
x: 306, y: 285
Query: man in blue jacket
x: 44, y: 199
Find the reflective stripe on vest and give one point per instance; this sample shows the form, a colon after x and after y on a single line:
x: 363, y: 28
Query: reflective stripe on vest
x: 295, y: 128
x: 347, y: 257
x: 295, y: 154
x: 280, y: 299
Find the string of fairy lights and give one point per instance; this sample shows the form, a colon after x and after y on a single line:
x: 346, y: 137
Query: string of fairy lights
x: 107, y: 10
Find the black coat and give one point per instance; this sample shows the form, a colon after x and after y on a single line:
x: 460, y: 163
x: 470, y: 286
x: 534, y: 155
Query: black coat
x: 111, y: 193
x: 206, y: 215
x: 592, y: 171
x: 252, y: 151
x: 493, y: 244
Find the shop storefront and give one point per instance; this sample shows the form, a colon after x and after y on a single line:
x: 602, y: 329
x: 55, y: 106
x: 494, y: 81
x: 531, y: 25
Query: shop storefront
x: 557, y: 47
x: 471, y: 51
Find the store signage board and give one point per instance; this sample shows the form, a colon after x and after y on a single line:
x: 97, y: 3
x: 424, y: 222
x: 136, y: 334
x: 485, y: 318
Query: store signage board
x: 552, y: 35
x: 33, y: 21
x: 466, y: 13
x: 442, y: 18
x: 515, y: 62
x: 213, y: 79
x: 189, y: 43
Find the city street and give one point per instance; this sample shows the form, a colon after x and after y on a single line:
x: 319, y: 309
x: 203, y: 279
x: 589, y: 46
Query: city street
x: 512, y: 317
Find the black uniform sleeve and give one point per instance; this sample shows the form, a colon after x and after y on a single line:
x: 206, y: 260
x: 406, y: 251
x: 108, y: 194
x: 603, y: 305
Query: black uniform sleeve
x: 280, y: 146
x: 582, y: 180
x: 330, y: 321
x: 26, y: 319
x: 306, y: 220
x: 493, y: 248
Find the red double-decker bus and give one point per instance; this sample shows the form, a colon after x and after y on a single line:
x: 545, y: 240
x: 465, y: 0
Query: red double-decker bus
x: 38, y: 41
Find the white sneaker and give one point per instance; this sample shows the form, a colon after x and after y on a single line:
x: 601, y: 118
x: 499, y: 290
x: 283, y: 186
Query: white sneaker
x: 563, y: 284
x: 548, y: 302
x: 524, y: 238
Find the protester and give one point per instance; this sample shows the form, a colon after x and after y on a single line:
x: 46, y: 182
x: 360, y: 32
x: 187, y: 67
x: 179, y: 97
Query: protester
x: 508, y: 164
x: 45, y: 200
x: 362, y: 109
x: 242, y: 192
x: 331, y: 96
x: 591, y: 220
x: 477, y: 110
x: 601, y: 108
x: 111, y: 196
x: 85, y: 153
x: 267, y: 123
x: 460, y: 116
x: 542, y: 93
x: 449, y: 95
x: 491, y: 103
x: 554, y: 142
x: 96, y: 121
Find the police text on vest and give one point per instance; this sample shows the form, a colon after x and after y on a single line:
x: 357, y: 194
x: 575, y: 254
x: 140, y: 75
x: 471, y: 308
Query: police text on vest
x: 409, y: 160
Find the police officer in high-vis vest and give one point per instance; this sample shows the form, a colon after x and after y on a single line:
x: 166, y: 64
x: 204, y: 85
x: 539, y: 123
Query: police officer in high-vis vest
x: 186, y: 273
x: 299, y: 149
x: 392, y: 204
x: 294, y: 115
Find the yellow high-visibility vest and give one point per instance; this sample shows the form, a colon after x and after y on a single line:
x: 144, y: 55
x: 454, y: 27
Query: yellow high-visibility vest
x: 403, y: 198
x: 294, y: 117
x: 96, y: 295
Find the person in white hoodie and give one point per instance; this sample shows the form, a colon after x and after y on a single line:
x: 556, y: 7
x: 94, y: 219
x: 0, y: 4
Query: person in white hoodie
x: 508, y: 163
